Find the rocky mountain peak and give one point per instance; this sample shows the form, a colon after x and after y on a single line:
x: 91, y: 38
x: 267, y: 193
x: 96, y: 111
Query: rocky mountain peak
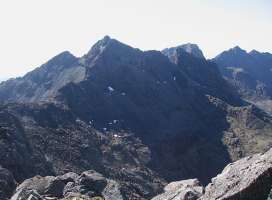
x: 192, y: 49
x: 238, y: 50
x: 250, y: 73
x: 99, y: 47
x: 109, y: 47
x: 254, y: 52
x: 235, y: 51
x: 104, y: 42
x: 64, y: 58
x: 189, y: 48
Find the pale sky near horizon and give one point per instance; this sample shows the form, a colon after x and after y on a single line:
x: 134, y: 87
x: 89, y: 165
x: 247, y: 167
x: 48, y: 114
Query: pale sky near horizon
x: 33, y: 31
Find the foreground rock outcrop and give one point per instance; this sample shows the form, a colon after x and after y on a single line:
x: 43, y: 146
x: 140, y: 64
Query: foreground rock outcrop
x: 88, y: 185
x: 249, y: 178
x: 182, y: 190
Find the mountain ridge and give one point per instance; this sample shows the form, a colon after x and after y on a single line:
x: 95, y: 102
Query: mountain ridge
x: 250, y: 73
x: 165, y: 116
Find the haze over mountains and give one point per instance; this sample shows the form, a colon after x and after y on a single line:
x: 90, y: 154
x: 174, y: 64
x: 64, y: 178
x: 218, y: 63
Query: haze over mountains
x: 140, y: 118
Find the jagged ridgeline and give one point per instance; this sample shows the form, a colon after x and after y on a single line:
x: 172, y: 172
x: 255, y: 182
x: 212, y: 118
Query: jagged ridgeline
x: 139, y: 119
x: 249, y: 73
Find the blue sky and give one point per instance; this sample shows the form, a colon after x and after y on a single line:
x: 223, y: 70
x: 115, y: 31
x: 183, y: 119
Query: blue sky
x: 33, y: 31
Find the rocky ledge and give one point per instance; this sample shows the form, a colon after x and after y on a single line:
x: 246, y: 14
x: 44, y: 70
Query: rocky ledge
x: 249, y: 178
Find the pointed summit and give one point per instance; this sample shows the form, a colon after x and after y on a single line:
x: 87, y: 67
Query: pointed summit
x: 237, y: 50
x: 64, y: 58
x: 254, y: 52
x: 192, y: 49
x: 106, y: 38
x: 99, y: 46
x: 189, y: 48
x: 108, y: 47
x: 104, y: 41
x: 232, y: 52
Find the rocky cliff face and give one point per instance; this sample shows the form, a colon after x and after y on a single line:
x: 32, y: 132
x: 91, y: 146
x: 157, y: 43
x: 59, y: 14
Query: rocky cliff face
x: 140, y: 118
x: 250, y: 73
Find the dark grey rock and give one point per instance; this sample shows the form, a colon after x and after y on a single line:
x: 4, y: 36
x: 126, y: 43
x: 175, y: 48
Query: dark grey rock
x: 49, y: 186
x: 68, y: 177
x: 88, y: 185
x: 92, y: 181
x: 25, y: 194
x: 7, y: 183
x: 112, y: 191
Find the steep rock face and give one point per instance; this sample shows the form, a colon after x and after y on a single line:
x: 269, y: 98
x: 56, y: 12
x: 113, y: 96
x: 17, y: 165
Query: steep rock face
x: 250, y: 73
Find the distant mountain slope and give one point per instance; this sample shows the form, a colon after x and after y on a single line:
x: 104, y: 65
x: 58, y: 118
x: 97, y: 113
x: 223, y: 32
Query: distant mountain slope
x: 250, y: 73
x: 160, y: 117
x: 43, y: 83
x: 48, y: 139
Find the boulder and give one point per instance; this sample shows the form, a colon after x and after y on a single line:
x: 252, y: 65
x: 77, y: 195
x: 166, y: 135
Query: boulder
x: 93, y: 184
x: 90, y: 185
x: 72, y: 189
x: 112, y: 191
x: 181, y: 190
x: 48, y: 186
x: 25, y: 194
x: 249, y: 178
x: 82, y: 197
x: 93, y: 181
x: 68, y: 177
